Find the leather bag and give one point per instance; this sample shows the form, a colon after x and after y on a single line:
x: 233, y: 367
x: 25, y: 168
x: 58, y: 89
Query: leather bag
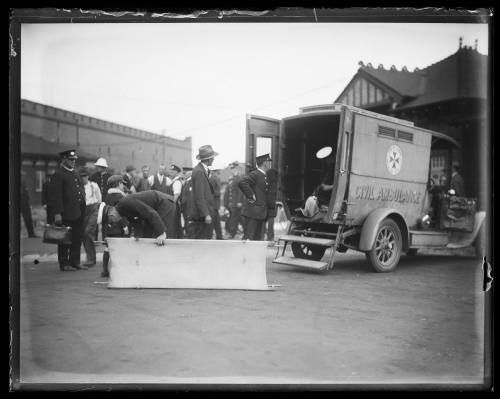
x: 57, y: 234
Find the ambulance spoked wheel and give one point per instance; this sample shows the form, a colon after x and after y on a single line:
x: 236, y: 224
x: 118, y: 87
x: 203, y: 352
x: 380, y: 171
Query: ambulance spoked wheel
x: 387, y: 247
x: 305, y: 251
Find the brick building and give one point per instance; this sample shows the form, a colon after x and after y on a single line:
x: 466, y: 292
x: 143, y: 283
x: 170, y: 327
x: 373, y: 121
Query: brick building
x: 449, y: 96
x: 46, y: 130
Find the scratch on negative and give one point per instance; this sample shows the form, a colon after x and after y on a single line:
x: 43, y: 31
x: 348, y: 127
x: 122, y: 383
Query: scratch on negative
x: 487, y: 275
x: 12, y: 50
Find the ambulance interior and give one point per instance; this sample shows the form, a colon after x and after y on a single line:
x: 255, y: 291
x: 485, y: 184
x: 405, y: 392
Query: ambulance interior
x: 302, y: 137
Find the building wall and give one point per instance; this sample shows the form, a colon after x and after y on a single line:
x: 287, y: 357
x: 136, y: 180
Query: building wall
x: 120, y: 145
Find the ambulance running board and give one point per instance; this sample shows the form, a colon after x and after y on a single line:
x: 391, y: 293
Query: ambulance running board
x: 307, y: 263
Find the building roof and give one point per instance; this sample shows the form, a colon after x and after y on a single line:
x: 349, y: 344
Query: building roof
x: 34, y: 145
x: 404, y: 82
x: 461, y: 75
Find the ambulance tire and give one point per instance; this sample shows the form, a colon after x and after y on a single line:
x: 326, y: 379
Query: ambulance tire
x: 387, y: 247
x: 309, y: 252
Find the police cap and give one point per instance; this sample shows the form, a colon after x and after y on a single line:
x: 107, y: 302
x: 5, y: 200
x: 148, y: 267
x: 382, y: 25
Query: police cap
x: 175, y: 167
x: 70, y: 154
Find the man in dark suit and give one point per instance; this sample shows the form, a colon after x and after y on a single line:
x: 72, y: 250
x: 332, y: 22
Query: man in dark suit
x: 216, y: 184
x: 255, y: 187
x: 233, y: 201
x: 457, y: 181
x: 67, y: 201
x: 152, y: 214
x: 203, y: 194
x: 101, y: 176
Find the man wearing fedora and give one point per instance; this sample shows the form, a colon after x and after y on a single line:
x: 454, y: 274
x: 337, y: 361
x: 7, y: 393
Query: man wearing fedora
x: 67, y: 200
x: 101, y: 176
x: 255, y: 187
x: 203, y: 212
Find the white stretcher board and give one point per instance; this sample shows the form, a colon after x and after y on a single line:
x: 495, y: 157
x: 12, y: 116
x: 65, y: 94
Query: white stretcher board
x: 198, y: 264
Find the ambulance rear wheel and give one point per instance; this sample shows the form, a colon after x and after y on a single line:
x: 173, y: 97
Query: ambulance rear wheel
x: 386, y: 251
x: 310, y: 252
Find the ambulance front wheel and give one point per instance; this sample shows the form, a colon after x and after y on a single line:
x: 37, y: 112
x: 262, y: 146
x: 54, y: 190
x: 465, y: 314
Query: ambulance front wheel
x: 387, y: 247
x: 310, y: 252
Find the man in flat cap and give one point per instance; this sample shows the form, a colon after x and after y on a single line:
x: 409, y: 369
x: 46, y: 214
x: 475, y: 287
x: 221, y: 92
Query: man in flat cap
x: 67, y: 200
x: 128, y: 179
x: 233, y: 201
x: 203, y: 194
x: 255, y: 187
x: 101, y: 176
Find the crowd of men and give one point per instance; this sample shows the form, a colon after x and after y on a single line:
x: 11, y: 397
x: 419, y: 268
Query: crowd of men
x: 174, y: 202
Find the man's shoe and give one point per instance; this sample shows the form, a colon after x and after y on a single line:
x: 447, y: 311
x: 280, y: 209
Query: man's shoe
x: 89, y: 263
x: 33, y: 236
x: 80, y: 267
x: 104, y: 274
x: 68, y: 268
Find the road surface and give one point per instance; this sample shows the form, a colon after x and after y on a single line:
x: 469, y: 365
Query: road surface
x: 422, y: 323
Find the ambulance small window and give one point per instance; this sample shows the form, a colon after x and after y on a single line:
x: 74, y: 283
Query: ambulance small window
x: 405, y: 136
x: 386, y: 131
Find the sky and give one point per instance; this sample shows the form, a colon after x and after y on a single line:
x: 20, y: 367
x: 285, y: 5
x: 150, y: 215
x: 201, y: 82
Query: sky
x: 200, y: 80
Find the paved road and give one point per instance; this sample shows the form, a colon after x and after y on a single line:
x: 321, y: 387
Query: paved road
x: 422, y: 323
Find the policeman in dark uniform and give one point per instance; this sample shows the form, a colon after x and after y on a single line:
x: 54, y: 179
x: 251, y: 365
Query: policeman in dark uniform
x: 255, y: 187
x: 67, y: 201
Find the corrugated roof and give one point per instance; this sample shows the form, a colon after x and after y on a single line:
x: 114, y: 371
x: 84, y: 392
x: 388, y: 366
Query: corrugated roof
x: 31, y: 144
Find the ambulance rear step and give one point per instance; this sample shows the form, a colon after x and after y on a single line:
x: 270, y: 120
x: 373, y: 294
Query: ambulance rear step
x: 303, y: 263
x: 306, y: 263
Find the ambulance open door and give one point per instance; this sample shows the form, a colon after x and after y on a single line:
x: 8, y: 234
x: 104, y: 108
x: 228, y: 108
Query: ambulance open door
x: 262, y: 138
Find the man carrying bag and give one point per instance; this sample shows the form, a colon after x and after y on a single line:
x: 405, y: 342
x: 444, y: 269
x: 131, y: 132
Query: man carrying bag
x: 67, y: 200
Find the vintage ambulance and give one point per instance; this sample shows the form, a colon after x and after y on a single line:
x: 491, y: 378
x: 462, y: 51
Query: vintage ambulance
x: 380, y: 202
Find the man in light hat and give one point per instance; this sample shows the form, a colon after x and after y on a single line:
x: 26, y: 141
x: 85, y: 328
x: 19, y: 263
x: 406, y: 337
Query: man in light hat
x: 92, y: 201
x: 101, y: 176
x: 255, y: 187
x: 67, y: 200
x: 203, y: 212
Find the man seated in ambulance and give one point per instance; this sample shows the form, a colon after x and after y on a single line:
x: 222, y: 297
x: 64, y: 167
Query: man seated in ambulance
x: 320, y: 198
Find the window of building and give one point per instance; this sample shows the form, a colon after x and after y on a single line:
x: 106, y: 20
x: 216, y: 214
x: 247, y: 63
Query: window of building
x: 39, y: 179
